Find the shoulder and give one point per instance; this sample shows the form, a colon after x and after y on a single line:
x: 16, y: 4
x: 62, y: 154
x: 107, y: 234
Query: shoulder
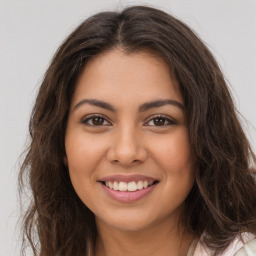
x: 239, y: 247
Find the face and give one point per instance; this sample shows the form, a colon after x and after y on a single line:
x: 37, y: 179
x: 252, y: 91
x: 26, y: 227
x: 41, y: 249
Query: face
x: 127, y: 144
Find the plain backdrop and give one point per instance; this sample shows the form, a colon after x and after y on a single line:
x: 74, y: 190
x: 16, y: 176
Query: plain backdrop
x: 31, y: 31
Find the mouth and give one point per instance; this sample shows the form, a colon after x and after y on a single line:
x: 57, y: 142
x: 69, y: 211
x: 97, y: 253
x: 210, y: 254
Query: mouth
x: 126, y: 189
x: 131, y: 186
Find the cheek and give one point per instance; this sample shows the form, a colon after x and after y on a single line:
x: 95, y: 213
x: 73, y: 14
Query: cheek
x: 173, y: 153
x: 84, y: 154
x: 178, y: 167
x: 83, y: 158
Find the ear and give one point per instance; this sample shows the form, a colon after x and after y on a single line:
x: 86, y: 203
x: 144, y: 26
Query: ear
x: 65, y: 160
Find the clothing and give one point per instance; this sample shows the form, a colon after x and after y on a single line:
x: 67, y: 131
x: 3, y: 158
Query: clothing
x: 247, y: 247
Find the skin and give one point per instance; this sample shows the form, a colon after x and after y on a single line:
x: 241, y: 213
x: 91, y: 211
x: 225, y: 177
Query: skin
x: 128, y: 141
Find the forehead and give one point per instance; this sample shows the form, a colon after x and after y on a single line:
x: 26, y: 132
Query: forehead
x: 118, y: 76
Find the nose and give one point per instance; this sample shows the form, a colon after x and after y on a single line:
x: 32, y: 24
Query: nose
x: 127, y: 147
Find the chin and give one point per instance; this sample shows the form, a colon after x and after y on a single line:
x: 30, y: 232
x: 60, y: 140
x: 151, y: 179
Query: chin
x: 129, y: 222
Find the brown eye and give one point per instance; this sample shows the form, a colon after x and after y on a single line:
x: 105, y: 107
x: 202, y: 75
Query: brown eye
x: 95, y: 121
x: 160, y: 121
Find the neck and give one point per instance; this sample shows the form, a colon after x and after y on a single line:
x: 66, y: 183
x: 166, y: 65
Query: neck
x: 161, y: 240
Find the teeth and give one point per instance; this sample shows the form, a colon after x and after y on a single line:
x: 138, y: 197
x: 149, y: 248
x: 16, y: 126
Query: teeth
x: 123, y: 186
x: 130, y: 186
x: 145, y: 184
x: 140, y: 185
x: 110, y: 185
x: 115, y: 185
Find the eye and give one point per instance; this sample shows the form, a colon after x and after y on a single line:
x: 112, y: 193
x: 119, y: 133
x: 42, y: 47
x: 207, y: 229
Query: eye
x: 95, y: 120
x: 160, y: 121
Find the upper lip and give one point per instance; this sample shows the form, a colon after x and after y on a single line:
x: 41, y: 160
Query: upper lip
x: 127, y: 178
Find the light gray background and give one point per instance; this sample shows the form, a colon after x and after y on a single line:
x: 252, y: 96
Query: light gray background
x: 31, y: 31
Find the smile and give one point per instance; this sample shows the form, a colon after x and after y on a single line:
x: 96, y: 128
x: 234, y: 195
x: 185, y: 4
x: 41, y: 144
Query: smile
x: 130, y: 186
x: 127, y: 189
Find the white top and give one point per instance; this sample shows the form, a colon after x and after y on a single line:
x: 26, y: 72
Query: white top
x: 247, y: 247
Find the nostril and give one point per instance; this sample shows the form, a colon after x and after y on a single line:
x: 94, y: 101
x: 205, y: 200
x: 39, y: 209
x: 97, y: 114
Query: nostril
x: 123, y: 162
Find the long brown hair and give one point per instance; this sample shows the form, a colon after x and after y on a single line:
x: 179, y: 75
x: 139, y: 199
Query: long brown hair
x: 222, y: 202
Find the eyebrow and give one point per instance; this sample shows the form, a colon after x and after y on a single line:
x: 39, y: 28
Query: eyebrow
x: 97, y: 103
x: 144, y: 107
x: 160, y: 103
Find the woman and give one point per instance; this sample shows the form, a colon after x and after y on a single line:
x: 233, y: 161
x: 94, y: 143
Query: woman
x: 136, y: 148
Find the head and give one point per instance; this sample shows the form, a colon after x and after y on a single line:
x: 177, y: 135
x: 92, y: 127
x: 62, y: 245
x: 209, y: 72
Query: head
x: 218, y: 150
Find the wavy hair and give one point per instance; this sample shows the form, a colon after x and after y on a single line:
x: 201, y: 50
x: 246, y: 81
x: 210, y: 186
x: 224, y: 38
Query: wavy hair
x: 222, y: 202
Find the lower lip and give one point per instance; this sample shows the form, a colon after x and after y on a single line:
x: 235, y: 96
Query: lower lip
x: 128, y: 196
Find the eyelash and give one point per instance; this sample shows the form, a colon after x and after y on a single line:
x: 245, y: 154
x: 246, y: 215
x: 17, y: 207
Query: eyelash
x: 94, y: 116
x: 90, y: 118
x: 167, y: 119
